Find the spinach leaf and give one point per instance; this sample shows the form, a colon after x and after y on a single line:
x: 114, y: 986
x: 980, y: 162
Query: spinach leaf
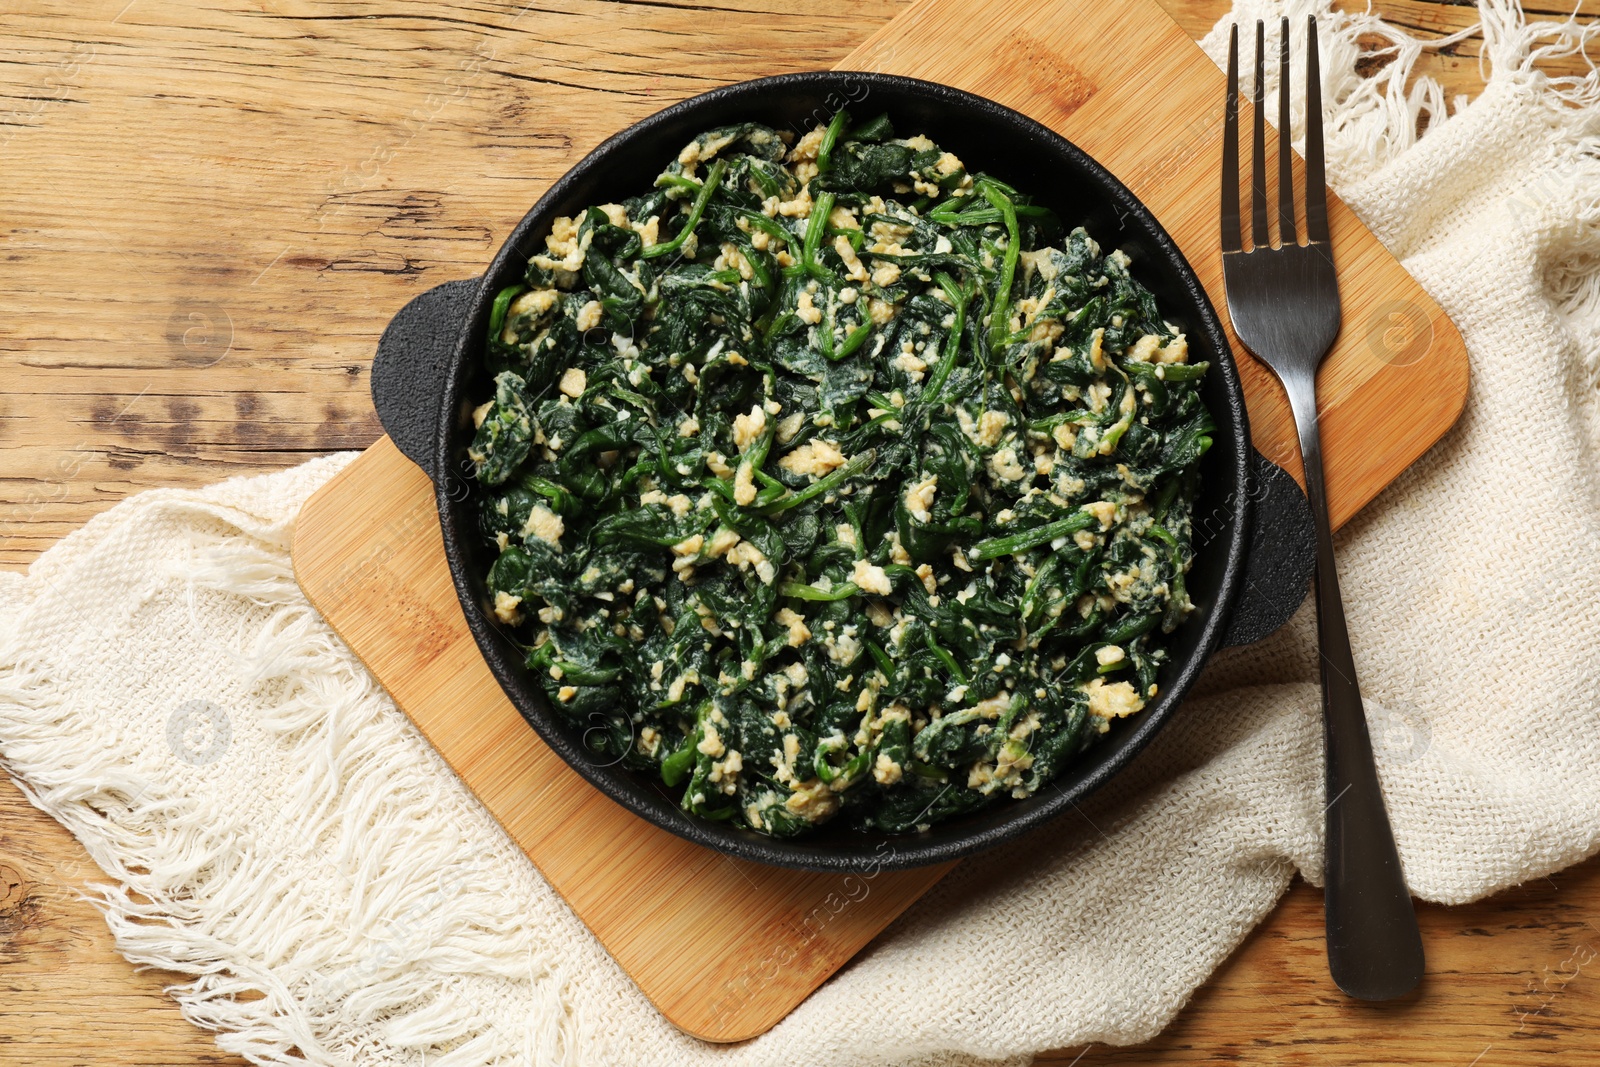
x: 832, y: 481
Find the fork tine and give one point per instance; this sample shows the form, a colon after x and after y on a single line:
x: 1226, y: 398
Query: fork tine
x: 1286, y: 233
x: 1258, y: 153
x: 1316, y: 179
x: 1231, y: 241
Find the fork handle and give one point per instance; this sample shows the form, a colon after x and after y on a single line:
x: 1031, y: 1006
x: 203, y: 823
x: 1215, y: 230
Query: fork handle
x: 1374, y: 946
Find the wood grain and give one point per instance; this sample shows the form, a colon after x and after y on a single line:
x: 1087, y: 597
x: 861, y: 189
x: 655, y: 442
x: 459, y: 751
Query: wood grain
x: 250, y: 188
x: 224, y: 202
x: 68, y: 997
x: 279, y: 161
x: 1512, y: 981
x: 367, y: 551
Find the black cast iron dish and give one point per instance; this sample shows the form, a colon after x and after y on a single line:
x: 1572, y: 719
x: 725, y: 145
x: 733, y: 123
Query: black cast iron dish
x: 1252, y: 527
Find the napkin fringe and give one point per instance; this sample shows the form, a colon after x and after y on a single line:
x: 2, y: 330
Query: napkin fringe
x: 1563, y: 207
x: 197, y: 894
x: 1374, y: 115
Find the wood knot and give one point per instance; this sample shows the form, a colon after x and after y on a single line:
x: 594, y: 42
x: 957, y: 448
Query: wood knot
x: 1056, y: 86
x: 13, y: 889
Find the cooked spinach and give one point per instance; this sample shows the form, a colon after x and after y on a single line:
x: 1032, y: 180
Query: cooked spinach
x: 833, y: 479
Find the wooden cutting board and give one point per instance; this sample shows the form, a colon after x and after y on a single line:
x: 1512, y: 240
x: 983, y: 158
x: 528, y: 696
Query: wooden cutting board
x: 368, y: 553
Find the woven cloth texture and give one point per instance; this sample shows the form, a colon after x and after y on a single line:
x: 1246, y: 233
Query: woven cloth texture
x: 274, y: 829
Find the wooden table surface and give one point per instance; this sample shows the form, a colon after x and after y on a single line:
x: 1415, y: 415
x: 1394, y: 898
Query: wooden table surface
x: 211, y: 210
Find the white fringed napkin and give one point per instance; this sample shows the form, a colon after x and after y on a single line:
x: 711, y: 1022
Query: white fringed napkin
x: 276, y: 829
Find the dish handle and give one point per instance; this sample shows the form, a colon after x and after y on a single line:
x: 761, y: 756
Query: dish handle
x: 408, y: 371
x: 408, y: 379
x: 1280, y: 558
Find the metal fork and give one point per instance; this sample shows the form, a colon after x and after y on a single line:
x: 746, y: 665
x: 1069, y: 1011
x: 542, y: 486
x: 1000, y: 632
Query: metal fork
x: 1284, y: 302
